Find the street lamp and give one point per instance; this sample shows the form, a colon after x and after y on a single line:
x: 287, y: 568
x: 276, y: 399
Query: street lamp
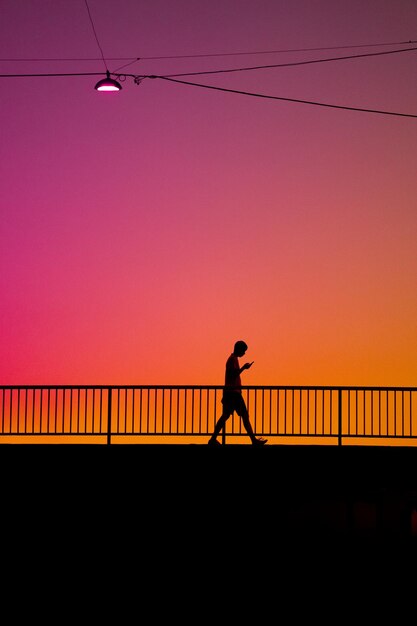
x: 108, y: 84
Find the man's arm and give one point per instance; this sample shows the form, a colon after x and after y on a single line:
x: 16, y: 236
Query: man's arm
x: 246, y: 366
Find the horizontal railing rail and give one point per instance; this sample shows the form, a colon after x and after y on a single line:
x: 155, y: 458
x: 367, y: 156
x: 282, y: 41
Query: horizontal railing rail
x: 162, y: 413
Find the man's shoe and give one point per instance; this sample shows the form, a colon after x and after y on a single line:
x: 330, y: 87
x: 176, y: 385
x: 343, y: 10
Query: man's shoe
x: 259, y: 442
x: 214, y: 442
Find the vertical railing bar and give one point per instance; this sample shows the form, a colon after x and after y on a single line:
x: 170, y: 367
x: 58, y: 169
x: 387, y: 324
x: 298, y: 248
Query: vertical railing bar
x: 18, y: 410
x: 71, y: 408
x: 409, y: 415
x: 263, y: 417
x: 133, y: 409
x: 3, y: 408
x: 278, y: 394
x: 402, y: 412
x: 331, y: 411
x: 125, y: 413
x: 86, y: 411
x: 155, y: 410
x: 178, y: 428
x: 3, y: 393
x: 118, y: 412
x: 270, y: 410
x: 123, y: 395
x: 363, y: 411
x: 255, y: 408
x: 109, y: 413
x: 170, y: 410
x: 388, y: 410
x: 11, y: 412
x: 26, y: 409
x: 78, y: 412
x: 192, y: 411
x: 71, y: 392
x: 141, y: 410
x: 41, y: 409
x: 185, y: 409
x: 101, y: 414
x: 340, y: 416
x: 379, y: 411
x: 147, y: 410
x: 34, y: 409
x: 99, y: 419
x: 90, y: 393
x: 200, y: 400
x: 284, y: 402
x: 55, y: 409
x: 126, y: 428
x: 162, y: 410
x: 355, y: 401
x: 292, y: 412
x: 5, y: 401
x: 207, y: 421
x: 372, y: 412
x: 348, y: 410
x: 94, y: 394
x: 48, y: 410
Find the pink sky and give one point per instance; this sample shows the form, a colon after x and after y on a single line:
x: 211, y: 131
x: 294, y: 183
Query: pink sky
x: 144, y: 232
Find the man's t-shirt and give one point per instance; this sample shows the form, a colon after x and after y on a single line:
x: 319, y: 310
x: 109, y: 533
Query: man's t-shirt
x: 232, y: 378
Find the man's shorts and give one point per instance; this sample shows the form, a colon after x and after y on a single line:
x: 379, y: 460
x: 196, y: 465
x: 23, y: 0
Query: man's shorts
x: 233, y: 401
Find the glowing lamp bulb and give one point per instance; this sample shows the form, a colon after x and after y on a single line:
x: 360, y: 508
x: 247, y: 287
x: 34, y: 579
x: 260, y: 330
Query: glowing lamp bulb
x: 108, y: 84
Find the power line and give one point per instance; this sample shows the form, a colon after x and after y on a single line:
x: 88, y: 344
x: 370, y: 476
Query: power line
x: 280, y: 51
x: 49, y: 75
x: 245, y: 93
x: 262, y: 67
x: 236, y: 69
x: 173, y: 78
x: 216, y: 54
x: 95, y: 34
x: 258, y: 95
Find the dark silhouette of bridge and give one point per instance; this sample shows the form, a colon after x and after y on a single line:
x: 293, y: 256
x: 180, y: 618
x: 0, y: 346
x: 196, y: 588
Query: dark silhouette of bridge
x: 300, y: 492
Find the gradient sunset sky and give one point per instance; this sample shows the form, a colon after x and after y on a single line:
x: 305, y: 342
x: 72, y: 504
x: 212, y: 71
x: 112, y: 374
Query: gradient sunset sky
x: 143, y: 232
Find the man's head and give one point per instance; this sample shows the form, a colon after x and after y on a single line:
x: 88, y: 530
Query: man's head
x: 240, y: 348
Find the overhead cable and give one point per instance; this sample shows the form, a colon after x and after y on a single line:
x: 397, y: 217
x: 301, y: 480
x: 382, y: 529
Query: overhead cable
x: 259, y: 95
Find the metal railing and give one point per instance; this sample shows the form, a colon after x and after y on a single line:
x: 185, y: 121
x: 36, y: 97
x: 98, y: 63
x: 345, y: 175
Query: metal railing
x: 160, y: 413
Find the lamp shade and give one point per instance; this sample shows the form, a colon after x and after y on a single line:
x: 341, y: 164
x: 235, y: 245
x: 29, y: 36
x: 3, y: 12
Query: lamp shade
x: 108, y: 84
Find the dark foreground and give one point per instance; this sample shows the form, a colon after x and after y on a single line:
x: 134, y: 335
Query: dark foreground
x: 276, y: 493
x: 193, y: 533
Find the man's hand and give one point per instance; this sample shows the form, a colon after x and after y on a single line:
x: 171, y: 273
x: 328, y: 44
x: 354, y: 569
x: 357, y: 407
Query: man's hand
x: 247, y: 365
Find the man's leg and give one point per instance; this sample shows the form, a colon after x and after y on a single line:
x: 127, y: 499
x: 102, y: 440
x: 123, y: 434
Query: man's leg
x: 220, y: 423
x: 248, y: 426
x: 227, y: 412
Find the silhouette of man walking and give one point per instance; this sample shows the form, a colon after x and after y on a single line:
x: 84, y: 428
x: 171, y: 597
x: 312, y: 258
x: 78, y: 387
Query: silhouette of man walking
x: 232, y: 399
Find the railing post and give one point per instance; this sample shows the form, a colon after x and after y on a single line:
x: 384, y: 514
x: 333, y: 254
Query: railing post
x: 109, y: 398
x: 340, y: 416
